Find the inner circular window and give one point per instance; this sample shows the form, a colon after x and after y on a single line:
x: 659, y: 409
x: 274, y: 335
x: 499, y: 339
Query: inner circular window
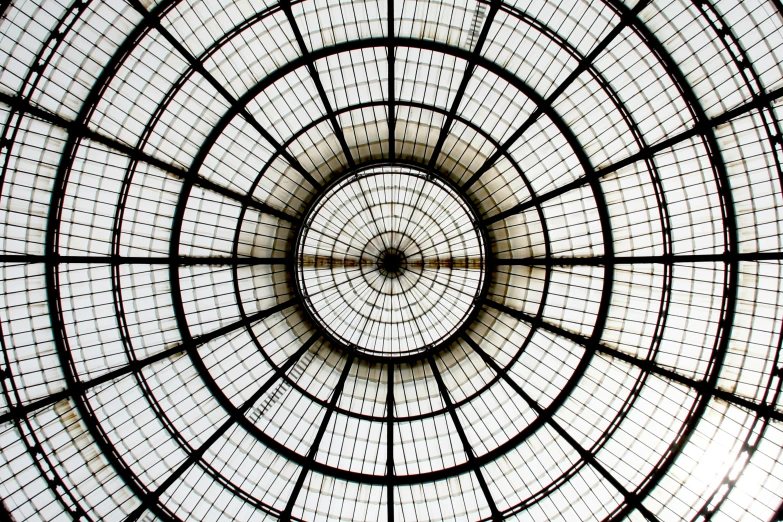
x: 390, y: 260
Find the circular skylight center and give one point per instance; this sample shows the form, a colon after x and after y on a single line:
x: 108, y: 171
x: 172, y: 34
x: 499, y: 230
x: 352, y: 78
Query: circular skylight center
x: 390, y: 261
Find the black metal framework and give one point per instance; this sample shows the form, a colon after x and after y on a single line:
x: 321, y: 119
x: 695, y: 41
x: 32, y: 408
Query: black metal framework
x: 162, y: 167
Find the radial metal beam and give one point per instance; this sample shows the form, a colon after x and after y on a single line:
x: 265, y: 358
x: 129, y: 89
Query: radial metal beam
x: 586, y: 455
x: 144, y: 260
x: 304, y: 51
x: 648, y: 366
x: 5, y: 516
x: 390, y: 441
x: 198, y: 66
x: 313, y: 451
x: 79, y: 387
x: 757, y: 103
x: 444, y: 393
x: 83, y: 131
x: 152, y: 498
x: 667, y: 259
x: 778, y: 516
x: 647, y: 153
x: 470, y: 69
x: 581, y: 67
x: 390, y: 57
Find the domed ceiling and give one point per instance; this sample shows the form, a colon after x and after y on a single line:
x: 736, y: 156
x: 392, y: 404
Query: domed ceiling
x: 401, y: 261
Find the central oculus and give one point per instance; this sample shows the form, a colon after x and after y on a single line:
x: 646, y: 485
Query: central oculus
x: 390, y: 261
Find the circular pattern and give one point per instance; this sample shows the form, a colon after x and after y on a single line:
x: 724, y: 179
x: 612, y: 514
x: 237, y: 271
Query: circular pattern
x: 389, y: 261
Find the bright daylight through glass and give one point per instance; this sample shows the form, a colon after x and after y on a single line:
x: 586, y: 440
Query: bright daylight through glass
x: 391, y: 260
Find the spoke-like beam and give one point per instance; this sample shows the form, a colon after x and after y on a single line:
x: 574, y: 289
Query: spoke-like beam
x: 504, y: 148
x: 583, y: 65
x: 233, y: 418
x: 135, y: 154
x: 757, y: 103
x: 586, y: 455
x: 644, y: 154
x: 444, y: 393
x: 668, y: 259
x: 647, y: 366
x: 17, y: 412
x: 470, y: 69
x: 5, y: 515
x: 778, y: 516
x: 144, y: 260
x: 198, y: 66
x: 313, y: 451
x: 390, y: 441
x: 390, y: 50
x: 305, y: 52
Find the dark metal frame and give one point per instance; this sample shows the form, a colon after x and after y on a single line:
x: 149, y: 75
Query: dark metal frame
x: 78, y: 130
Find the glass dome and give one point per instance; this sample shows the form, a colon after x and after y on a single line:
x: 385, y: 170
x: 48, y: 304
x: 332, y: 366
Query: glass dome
x: 386, y: 260
x: 390, y: 261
